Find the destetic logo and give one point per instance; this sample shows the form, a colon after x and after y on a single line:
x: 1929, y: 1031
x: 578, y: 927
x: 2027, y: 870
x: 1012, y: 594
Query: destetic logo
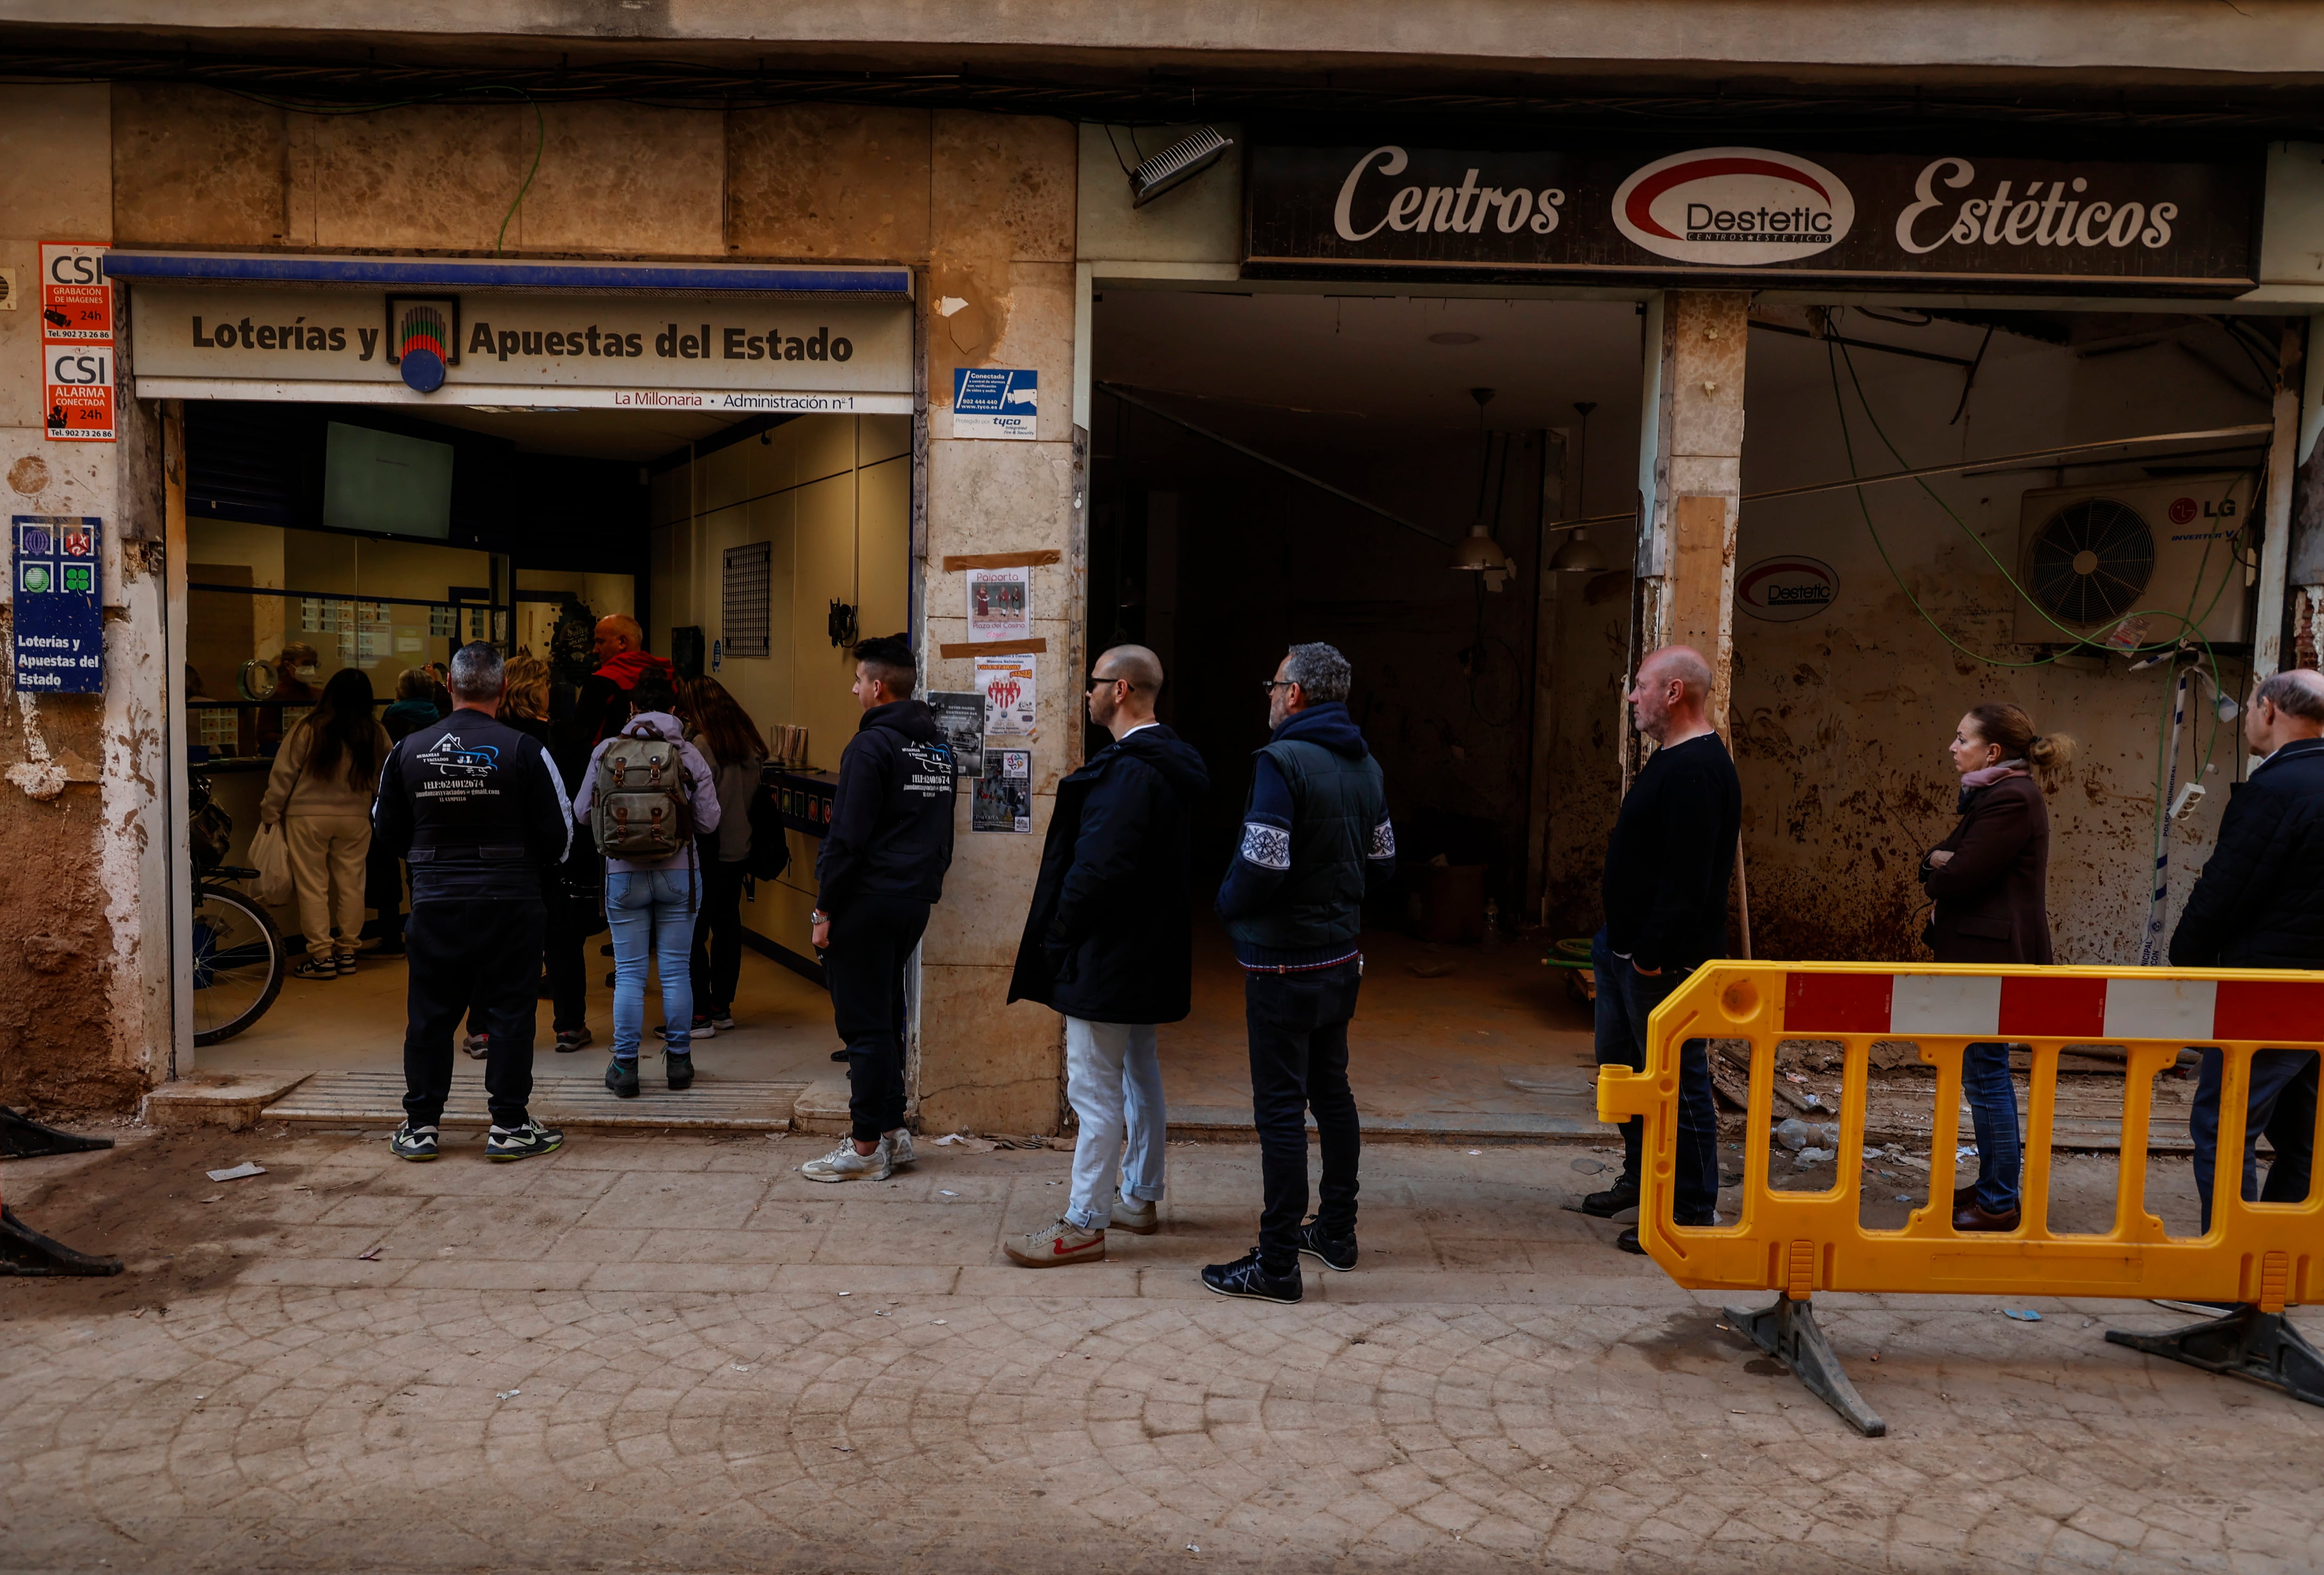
x: 1735, y: 207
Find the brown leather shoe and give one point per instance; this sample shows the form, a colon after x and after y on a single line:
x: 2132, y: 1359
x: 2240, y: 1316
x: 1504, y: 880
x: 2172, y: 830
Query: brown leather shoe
x: 1974, y: 1218
x: 1964, y: 1196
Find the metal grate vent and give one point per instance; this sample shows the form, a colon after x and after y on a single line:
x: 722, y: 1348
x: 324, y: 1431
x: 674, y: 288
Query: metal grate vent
x: 2091, y: 562
x: 746, y: 600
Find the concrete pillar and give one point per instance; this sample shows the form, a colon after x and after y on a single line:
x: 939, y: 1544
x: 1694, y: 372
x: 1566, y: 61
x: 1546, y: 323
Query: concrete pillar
x: 1690, y: 480
x: 1001, y: 292
x: 84, y: 997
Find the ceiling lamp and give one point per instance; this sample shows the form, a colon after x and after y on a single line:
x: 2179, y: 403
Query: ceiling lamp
x: 1477, y: 550
x: 1579, y: 555
x: 1176, y: 164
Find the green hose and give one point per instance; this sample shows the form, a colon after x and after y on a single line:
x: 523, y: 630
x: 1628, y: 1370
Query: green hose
x: 1572, y: 953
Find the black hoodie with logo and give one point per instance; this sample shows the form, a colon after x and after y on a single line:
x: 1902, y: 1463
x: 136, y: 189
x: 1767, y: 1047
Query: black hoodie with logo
x: 891, y: 812
x: 1109, y: 939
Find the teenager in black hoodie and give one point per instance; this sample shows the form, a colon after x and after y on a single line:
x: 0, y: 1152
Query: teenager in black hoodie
x: 882, y: 869
x: 1108, y: 943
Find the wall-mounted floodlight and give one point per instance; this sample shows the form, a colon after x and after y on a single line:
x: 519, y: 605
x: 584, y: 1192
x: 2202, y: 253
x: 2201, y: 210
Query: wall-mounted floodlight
x: 1176, y: 164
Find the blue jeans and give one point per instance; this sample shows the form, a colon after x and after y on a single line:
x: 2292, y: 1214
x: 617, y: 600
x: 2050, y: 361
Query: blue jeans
x: 1113, y: 1078
x: 1626, y: 1000
x: 1993, y: 1111
x: 652, y: 912
x: 2281, y: 1104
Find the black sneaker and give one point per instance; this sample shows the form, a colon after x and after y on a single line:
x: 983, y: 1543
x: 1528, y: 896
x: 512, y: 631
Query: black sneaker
x: 569, y: 1039
x: 701, y: 1029
x: 723, y: 1021
x: 521, y: 1142
x: 1335, y: 1253
x: 1623, y: 1195
x: 680, y: 1064
x: 412, y: 1142
x: 1244, y: 1278
x: 621, y: 1077
x: 311, y: 969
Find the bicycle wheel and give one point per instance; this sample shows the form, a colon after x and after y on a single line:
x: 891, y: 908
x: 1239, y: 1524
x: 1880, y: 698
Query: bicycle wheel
x: 239, y: 963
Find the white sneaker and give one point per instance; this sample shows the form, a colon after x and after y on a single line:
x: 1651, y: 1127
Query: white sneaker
x: 842, y: 1164
x: 1138, y: 1216
x: 900, y: 1147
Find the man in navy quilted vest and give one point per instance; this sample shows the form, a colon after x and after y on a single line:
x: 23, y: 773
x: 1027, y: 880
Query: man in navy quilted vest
x: 1315, y: 839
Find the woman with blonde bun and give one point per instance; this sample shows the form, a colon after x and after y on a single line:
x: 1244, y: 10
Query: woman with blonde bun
x: 1990, y: 879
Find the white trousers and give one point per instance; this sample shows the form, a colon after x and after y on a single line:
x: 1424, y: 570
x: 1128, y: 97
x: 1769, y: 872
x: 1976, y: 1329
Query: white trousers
x: 1113, y: 1080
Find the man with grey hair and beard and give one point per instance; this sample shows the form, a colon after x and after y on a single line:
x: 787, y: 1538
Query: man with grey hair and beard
x: 1667, y: 869
x: 1316, y: 840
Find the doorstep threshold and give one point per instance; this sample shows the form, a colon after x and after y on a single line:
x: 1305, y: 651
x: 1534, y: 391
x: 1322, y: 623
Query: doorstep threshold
x: 375, y: 1099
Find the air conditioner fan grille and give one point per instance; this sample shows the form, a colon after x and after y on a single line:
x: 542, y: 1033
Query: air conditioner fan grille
x: 2091, y: 562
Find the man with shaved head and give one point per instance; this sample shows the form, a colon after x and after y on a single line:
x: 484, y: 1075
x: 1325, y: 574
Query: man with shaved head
x: 1108, y: 943
x: 1666, y: 902
x: 2260, y: 903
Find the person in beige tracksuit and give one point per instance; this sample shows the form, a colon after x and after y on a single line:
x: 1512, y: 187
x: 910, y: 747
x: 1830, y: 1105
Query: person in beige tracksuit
x: 321, y: 789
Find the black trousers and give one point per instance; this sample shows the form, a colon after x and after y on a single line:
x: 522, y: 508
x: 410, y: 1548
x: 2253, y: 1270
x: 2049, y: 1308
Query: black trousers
x: 384, y: 891
x: 482, y: 953
x: 865, y: 966
x: 718, y: 938
x: 1626, y: 1000
x: 1298, y: 1029
x: 561, y: 955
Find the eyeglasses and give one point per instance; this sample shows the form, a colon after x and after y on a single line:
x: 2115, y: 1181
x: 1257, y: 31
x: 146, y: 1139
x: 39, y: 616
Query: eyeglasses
x: 1098, y: 683
x: 1270, y: 686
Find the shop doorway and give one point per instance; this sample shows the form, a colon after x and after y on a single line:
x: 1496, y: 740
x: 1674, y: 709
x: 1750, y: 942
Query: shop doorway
x: 728, y: 542
x: 1411, y: 424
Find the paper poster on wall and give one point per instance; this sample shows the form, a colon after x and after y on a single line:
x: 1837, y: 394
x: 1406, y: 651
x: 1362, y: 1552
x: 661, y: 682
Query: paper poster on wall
x: 77, y: 361
x: 999, y: 604
x: 1007, y: 683
x: 995, y: 401
x: 960, y: 714
x: 1004, y: 793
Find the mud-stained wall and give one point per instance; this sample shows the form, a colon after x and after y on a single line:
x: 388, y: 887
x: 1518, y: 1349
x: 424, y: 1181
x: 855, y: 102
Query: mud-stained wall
x: 83, y: 985
x: 984, y: 204
x: 1841, y: 719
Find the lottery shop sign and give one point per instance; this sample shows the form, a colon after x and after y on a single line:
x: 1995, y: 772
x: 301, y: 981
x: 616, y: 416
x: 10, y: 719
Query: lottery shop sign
x: 58, y: 632
x: 77, y: 342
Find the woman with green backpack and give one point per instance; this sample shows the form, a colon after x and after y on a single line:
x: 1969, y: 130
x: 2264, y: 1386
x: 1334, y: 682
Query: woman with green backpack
x: 645, y: 796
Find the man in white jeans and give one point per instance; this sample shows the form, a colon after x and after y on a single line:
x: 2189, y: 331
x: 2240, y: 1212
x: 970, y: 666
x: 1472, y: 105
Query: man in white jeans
x: 1108, y: 944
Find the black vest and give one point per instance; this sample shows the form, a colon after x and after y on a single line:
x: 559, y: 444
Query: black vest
x: 474, y: 786
x: 1335, y: 803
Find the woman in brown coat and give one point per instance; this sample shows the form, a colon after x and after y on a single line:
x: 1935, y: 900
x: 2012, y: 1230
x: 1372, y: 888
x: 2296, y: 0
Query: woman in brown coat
x: 1990, y: 880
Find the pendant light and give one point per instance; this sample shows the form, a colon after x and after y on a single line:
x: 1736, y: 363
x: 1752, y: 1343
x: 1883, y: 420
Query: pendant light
x: 1579, y: 555
x: 1478, y: 552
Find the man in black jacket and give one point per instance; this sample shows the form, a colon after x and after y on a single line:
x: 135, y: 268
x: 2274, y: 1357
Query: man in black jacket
x: 2260, y: 903
x: 1664, y: 893
x: 478, y: 811
x: 1108, y: 943
x: 1316, y: 840
x: 881, y: 867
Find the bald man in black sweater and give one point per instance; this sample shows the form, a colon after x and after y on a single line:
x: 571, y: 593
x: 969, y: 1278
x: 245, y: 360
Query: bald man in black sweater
x: 1667, y: 867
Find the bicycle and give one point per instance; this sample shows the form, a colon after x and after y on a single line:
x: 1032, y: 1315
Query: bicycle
x: 240, y: 960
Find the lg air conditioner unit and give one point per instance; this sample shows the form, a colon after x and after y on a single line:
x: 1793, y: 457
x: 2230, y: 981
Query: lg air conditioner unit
x: 2091, y: 558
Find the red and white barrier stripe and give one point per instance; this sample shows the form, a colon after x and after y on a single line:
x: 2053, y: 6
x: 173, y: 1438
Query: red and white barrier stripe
x: 2053, y: 1007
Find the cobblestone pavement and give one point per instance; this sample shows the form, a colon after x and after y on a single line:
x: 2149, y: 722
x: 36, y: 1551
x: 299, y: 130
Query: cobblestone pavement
x: 676, y: 1354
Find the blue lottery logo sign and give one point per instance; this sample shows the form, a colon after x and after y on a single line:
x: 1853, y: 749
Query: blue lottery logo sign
x: 59, y: 639
x: 995, y: 401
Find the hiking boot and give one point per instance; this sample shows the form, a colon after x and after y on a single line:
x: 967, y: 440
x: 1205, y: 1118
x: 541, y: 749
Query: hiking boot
x: 1977, y: 1217
x: 1246, y: 1278
x: 899, y: 1148
x: 1057, y: 1243
x: 477, y: 1044
x: 571, y: 1038
x: 1623, y: 1195
x: 621, y: 1077
x: 842, y: 1164
x: 1336, y: 1253
x: 410, y: 1142
x: 312, y: 969
x: 1138, y: 1216
x: 521, y: 1142
x: 679, y: 1065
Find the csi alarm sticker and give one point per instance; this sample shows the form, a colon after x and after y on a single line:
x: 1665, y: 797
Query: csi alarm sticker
x: 77, y: 394
x: 1785, y: 590
x: 995, y: 401
x: 423, y: 338
x: 1734, y: 207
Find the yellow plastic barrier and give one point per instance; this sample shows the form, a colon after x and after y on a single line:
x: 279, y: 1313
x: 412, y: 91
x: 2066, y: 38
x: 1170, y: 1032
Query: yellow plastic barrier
x: 2265, y: 1257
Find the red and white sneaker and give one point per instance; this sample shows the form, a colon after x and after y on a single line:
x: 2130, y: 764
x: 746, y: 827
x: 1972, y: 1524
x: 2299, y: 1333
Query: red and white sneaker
x: 1058, y: 1243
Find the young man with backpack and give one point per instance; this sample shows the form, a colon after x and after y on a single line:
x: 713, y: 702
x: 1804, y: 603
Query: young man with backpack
x: 645, y: 796
x: 882, y: 869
